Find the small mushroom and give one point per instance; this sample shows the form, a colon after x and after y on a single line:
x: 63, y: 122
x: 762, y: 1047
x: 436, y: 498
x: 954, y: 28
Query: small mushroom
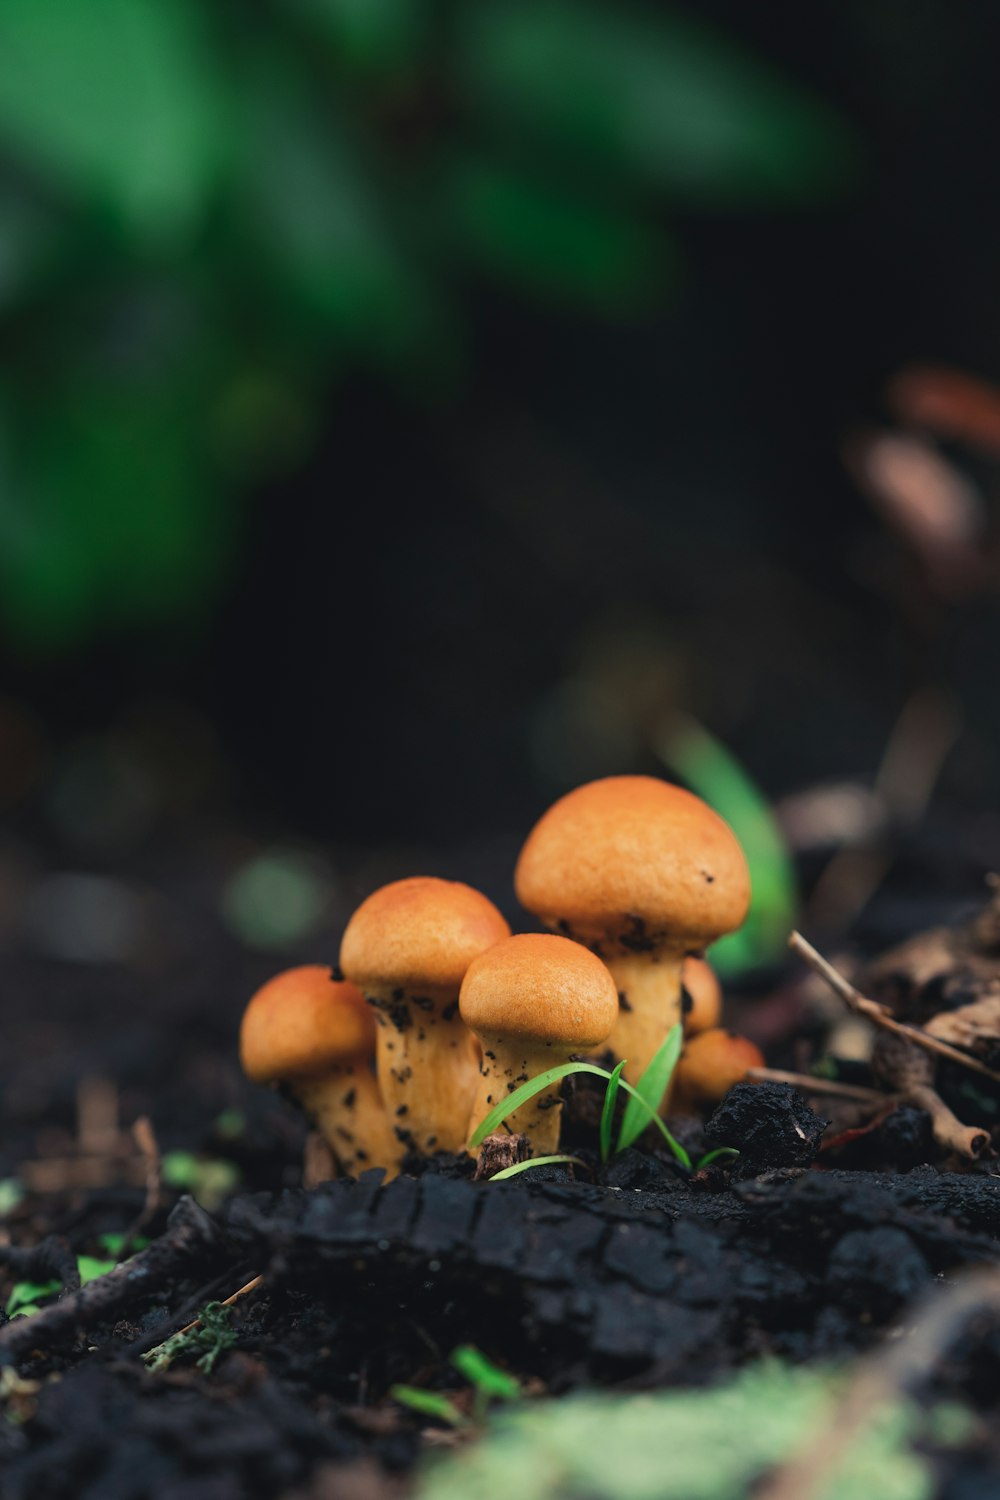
x: 709, y: 1066
x: 644, y: 873
x: 534, y: 1001
x: 407, y: 948
x: 702, y: 988
x: 315, y: 1035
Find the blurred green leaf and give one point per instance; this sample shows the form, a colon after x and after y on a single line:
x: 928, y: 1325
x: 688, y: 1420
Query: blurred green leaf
x: 428, y: 1404
x: 90, y: 1268
x: 105, y: 518
x: 536, y: 235
x: 661, y: 96
x: 27, y: 1294
x: 29, y: 236
x: 688, y: 749
x: 484, y: 1374
x: 713, y: 1444
x: 12, y: 1193
x: 309, y: 199
x: 117, y: 100
x: 373, y: 37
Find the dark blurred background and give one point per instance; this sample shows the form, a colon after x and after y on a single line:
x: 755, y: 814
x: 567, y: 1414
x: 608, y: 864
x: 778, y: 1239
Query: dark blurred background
x: 410, y: 409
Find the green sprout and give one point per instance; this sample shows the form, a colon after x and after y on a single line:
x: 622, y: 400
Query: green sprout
x: 651, y: 1090
x: 428, y: 1404
x: 535, y: 1085
x: 27, y: 1296
x: 608, y: 1112
x: 209, y: 1179
x: 641, y: 1111
x: 210, y: 1334
x: 489, y: 1383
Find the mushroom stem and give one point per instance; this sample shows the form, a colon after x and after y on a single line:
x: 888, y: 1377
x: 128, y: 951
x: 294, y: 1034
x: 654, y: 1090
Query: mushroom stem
x: 649, y: 1006
x: 427, y: 1069
x: 346, y: 1108
x: 507, y: 1063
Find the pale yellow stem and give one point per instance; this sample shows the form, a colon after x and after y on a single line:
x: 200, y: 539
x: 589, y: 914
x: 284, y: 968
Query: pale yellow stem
x: 507, y: 1063
x: 347, y: 1110
x: 649, y: 991
x: 427, y: 1069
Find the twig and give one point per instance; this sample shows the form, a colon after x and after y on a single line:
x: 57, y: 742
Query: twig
x: 51, y: 1259
x: 877, y: 1014
x: 145, y: 1138
x: 924, y: 734
x: 58, y: 1174
x: 191, y: 1305
x: 190, y: 1232
x: 949, y: 1132
x: 810, y: 1085
x: 251, y: 1286
x: 97, y: 1130
x: 892, y: 1371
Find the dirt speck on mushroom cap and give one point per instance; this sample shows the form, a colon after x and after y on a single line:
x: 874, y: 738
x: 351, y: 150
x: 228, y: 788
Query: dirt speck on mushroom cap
x: 634, y: 848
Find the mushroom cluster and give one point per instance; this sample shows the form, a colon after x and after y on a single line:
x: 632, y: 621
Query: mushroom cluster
x: 436, y: 1013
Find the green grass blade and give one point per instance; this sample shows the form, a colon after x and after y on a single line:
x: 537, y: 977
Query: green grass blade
x: 608, y: 1112
x: 484, y: 1374
x: 534, y: 1086
x: 536, y: 1161
x: 688, y: 750
x: 710, y: 1156
x: 652, y: 1087
x: 428, y: 1404
x: 527, y: 1091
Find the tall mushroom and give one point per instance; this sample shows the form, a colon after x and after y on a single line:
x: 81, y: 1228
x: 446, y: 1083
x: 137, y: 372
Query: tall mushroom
x: 534, y: 1001
x: 407, y: 948
x: 316, y: 1035
x: 644, y: 873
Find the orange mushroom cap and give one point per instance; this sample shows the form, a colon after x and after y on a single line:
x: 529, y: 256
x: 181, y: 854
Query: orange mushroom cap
x: 421, y: 932
x: 540, y: 988
x: 303, y: 1023
x: 637, y: 859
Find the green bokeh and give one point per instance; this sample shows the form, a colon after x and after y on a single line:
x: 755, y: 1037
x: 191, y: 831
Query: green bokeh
x: 210, y: 212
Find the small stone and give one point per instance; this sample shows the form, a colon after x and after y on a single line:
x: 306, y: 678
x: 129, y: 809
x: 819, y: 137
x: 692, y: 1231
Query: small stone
x: 770, y: 1125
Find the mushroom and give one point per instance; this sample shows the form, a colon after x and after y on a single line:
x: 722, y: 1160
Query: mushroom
x: 534, y: 1001
x: 709, y: 1066
x: 703, y: 990
x: 644, y: 873
x: 316, y: 1035
x: 407, y: 948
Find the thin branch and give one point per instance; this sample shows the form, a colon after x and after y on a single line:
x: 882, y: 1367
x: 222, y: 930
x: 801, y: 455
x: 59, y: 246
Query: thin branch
x: 190, y: 1234
x: 878, y: 1014
x: 251, y: 1286
x: 810, y: 1085
x: 145, y: 1138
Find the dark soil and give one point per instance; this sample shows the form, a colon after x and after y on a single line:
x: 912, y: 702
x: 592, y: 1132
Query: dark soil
x: 633, y: 1276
